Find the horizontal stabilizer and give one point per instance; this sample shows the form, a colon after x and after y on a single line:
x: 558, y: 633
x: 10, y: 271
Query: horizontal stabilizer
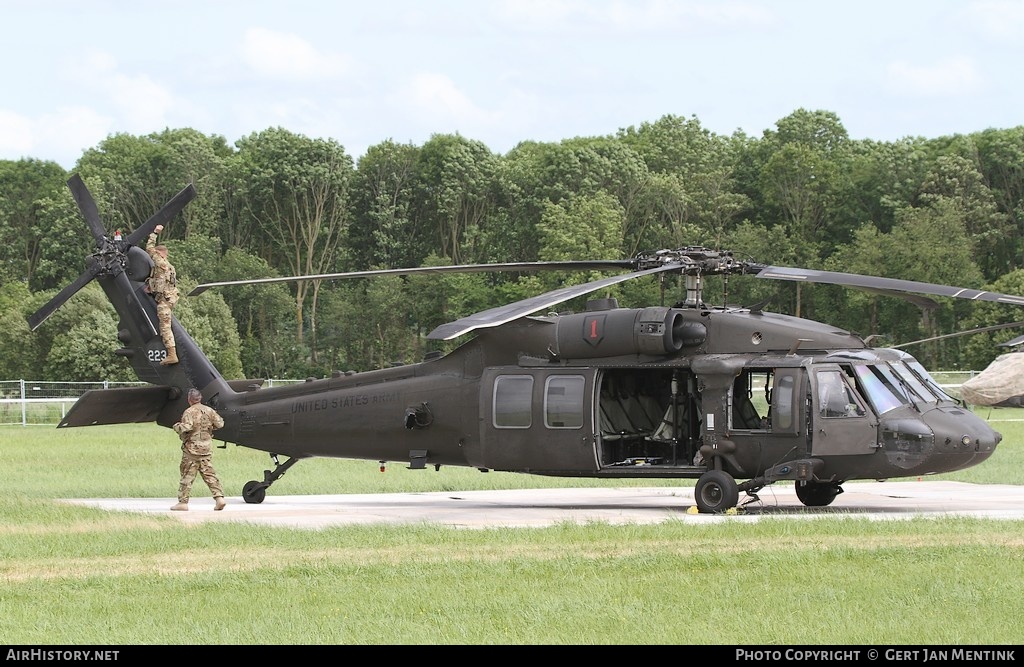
x: 128, y: 405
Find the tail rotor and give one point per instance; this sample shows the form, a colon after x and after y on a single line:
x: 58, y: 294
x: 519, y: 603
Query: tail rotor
x: 111, y: 257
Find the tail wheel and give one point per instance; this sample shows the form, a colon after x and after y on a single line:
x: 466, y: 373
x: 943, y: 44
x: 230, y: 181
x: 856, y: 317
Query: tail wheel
x: 817, y: 494
x: 254, y: 492
x: 716, y: 492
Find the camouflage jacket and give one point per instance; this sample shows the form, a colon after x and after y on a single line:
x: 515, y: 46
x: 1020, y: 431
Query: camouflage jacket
x: 163, y: 281
x: 196, y: 428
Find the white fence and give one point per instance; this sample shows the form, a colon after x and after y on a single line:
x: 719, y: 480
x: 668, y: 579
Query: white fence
x: 34, y: 402
x: 31, y: 402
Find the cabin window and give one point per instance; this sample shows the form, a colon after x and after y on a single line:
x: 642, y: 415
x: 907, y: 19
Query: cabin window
x: 563, y: 401
x: 513, y: 401
x: 785, y: 402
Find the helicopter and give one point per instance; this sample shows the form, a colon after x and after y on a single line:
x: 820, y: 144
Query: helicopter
x: 736, y: 398
x: 1001, y: 383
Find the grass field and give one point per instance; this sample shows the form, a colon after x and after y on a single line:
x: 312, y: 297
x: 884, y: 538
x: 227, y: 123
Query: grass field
x: 75, y: 575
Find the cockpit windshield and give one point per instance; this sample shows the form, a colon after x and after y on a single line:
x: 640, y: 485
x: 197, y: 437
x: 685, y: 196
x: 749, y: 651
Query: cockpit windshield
x: 916, y: 366
x: 890, y: 385
x: 882, y: 389
x: 918, y: 392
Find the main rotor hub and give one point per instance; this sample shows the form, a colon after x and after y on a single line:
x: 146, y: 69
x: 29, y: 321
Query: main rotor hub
x: 696, y: 261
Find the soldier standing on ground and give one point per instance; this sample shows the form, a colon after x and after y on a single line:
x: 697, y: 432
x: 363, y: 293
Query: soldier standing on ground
x: 163, y: 285
x: 196, y: 428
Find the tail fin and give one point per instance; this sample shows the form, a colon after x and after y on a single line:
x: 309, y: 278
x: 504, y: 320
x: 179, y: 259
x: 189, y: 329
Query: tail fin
x: 121, y: 267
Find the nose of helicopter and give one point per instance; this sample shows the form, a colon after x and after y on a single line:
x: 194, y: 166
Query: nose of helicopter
x: 962, y: 438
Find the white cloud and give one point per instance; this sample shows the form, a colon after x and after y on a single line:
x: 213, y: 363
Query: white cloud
x: 438, y: 96
x: 136, y: 102
x: 140, y: 103
x: 65, y: 134
x: 286, y: 56
x: 61, y: 136
x: 953, y: 76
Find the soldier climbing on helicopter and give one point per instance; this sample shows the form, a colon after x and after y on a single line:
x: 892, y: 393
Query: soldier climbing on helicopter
x: 162, y: 284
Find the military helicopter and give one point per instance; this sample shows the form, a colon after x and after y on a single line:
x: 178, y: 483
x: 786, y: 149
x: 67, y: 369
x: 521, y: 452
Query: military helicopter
x: 1001, y: 384
x: 734, y: 398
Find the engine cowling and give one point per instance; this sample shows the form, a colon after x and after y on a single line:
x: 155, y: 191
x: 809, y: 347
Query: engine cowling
x: 655, y: 331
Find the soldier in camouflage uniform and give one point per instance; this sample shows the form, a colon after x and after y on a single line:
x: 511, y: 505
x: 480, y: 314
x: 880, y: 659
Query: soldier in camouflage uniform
x: 162, y: 284
x: 196, y: 428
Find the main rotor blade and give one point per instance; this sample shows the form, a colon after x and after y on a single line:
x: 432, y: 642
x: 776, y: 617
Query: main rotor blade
x: 890, y: 284
x: 87, y: 205
x: 161, y: 217
x: 581, y: 265
x: 921, y: 302
x: 511, y: 311
x: 994, y: 327
x: 1013, y: 342
x: 56, y: 302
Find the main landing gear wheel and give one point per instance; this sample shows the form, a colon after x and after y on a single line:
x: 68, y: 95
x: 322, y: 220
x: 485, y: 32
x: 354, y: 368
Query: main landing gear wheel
x: 716, y: 492
x: 254, y: 492
x: 817, y: 494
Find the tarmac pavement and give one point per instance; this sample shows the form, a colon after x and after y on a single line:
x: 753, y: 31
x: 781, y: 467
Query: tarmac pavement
x: 547, y: 507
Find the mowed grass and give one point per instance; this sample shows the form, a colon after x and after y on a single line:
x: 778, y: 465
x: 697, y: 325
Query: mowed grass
x: 76, y: 575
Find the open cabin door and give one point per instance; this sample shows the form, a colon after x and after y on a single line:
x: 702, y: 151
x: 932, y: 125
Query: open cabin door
x: 648, y: 417
x: 538, y: 420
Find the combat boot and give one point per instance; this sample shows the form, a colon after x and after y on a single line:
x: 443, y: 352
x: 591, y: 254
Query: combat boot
x: 180, y: 507
x: 219, y: 503
x: 171, y: 358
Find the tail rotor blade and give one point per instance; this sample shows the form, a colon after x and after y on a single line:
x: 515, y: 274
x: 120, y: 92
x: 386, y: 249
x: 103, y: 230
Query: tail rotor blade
x: 162, y: 216
x: 56, y: 302
x: 126, y: 288
x: 87, y: 205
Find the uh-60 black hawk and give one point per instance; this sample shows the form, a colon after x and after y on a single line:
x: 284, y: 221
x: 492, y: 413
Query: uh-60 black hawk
x: 735, y: 398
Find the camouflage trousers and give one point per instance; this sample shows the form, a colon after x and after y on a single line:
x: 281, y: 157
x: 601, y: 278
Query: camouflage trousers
x: 202, y: 465
x: 163, y: 313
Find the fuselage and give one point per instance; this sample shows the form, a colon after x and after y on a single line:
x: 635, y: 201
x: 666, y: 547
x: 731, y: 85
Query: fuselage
x: 614, y: 393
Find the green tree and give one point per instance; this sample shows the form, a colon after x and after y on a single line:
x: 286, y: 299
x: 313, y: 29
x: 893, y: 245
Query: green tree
x: 296, y: 191
x: 455, y: 193
x: 1000, y: 155
x: 978, y: 350
x: 208, y: 321
x: 956, y: 180
x: 19, y: 349
x: 261, y: 311
x: 22, y: 184
x: 141, y: 174
x: 67, y: 241
x: 917, y: 256
x: 385, y: 232
x: 78, y: 342
x: 580, y: 228
x: 692, y: 192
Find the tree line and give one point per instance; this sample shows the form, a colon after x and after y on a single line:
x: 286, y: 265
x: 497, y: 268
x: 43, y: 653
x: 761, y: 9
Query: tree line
x: 943, y: 210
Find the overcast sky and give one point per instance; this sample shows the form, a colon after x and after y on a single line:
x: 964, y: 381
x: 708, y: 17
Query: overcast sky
x: 498, y: 71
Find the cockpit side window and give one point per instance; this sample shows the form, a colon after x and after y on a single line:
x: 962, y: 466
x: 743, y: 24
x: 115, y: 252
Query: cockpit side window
x: 835, y: 397
x: 750, y: 398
